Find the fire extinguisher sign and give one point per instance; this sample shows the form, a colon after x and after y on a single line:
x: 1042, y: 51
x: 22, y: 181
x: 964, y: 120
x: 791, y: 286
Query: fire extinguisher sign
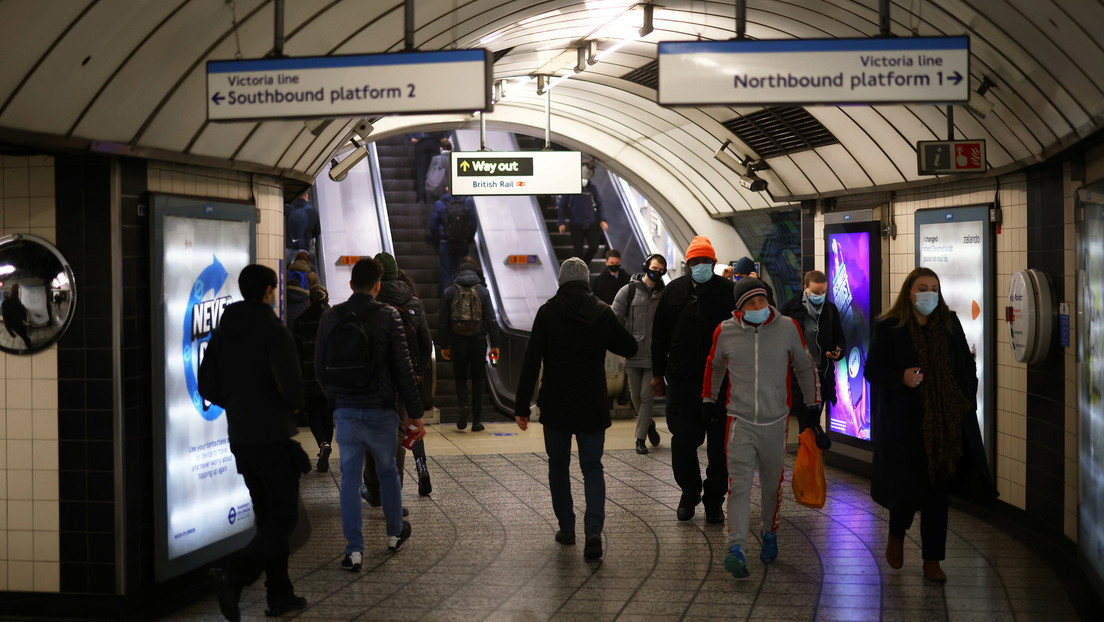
x: 942, y: 157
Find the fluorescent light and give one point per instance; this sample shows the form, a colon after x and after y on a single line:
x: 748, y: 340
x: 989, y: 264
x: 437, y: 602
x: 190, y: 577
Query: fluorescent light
x: 529, y: 20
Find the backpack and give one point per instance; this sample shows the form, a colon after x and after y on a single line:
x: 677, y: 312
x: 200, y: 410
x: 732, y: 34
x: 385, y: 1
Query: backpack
x: 348, y: 361
x: 466, y: 311
x: 437, y: 177
x: 297, y: 278
x: 458, y: 223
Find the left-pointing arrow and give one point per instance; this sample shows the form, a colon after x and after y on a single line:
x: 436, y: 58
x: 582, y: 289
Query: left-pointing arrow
x: 956, y: 78
x: 217, y: 98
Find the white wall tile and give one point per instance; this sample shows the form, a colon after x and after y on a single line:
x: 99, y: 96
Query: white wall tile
x: 45, y: 485
x: 46, y: 546
x: 47, y: 576
x: 17, y: 366
x: 44, y: 364
x: 16, y: 182
x: 19, y: 457
x: 19, y: 392
x: 20, y: 515
x: 46, y: 515
x: 20, y: 576
x: 44, y: 394
x: 20, y: 545
x: 45, y: 454
x: 20, y: 424
x: 44, y: 425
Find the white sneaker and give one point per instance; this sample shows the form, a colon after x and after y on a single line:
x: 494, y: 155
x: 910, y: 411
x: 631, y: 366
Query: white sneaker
x: 352, y: 561
x: 394, y: 543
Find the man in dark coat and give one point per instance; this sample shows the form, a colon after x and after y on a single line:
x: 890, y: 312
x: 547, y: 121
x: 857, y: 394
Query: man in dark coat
x: 819, y: 320
x: 452, y: 248
x: 468, y: 352
x: 570, y: 336
x: 689, y: 310
x: 610, y: 281
x: 302, y: 224
x: 250, y: 368
x: 584, y: 213
x: 319, y: 412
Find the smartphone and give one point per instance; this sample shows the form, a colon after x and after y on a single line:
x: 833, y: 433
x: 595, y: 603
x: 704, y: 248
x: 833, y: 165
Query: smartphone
x: 758, y: 270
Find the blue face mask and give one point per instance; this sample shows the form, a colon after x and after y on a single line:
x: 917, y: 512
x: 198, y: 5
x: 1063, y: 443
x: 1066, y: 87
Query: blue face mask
x: 926, y: 302
x: 816, y: 299
x: 701, y: 272
x: 758, y: 316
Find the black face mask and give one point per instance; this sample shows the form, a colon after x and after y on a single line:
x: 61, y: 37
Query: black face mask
x: 614, y: 269
x: 656, y: 275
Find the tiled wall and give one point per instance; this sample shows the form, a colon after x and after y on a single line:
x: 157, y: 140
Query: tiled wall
x: 29, y: 540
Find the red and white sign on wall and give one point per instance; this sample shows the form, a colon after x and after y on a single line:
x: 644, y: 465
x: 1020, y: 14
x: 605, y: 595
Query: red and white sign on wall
x: 940, y: 157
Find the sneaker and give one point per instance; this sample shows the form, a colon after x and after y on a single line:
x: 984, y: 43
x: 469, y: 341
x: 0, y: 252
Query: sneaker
x: 425, y: 486
x: 324, y: 458
x: 462, y: 419
x: 284, y: 605
x: 565, y: 537
x: 394, y: 543
x: 371, y: 496
x: 641, y: 448
x: 228, y: 592
x: 653, y: 435
x: 736, y: 563
x: 352, y: 561
x: 769, y: 553
x: 593, y: 547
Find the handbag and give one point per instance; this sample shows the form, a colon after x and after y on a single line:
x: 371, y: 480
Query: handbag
x: 809, y: 487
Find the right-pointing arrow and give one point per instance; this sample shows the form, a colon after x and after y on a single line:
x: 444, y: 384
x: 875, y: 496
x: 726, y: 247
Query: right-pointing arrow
x: 956, y: 77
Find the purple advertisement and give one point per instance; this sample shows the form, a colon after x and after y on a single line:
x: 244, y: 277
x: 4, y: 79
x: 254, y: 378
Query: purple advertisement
x: 849, y: 287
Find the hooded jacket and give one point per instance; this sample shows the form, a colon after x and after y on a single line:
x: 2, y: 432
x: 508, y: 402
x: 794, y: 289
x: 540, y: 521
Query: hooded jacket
x: 389, y: 356
x: 757, y: 360
x: 635, y: 307
x: 467, y: 276
x: 251, y: 369
x: 570, y: 336
x: 399, y: 295
x: 685, y: 319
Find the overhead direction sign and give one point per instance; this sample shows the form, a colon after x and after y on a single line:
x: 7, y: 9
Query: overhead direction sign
x: 815, y: 71
x: 939, y: 157
x: 516, y: 172
x: 349, y: 86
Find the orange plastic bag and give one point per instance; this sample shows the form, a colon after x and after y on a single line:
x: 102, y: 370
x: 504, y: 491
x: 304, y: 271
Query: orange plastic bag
x: 809, y: 487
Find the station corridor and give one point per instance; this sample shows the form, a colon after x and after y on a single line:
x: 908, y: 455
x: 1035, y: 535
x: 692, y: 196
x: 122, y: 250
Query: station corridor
x: 482, y: 549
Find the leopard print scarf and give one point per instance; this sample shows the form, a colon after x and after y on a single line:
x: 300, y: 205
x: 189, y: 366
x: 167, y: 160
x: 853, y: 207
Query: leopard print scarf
x: 943, y: 404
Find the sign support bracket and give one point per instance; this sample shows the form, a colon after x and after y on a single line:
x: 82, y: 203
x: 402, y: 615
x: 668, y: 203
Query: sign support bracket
x: 950, y: 122
x: 408, y: 25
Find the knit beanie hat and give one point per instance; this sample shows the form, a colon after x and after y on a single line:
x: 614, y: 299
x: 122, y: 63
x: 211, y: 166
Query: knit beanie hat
x: 574, y: 269
x: 700, y: 246
x: 744, y: 266
x: 318, y: 293
x: 746, y: 289
x: 390, y: 266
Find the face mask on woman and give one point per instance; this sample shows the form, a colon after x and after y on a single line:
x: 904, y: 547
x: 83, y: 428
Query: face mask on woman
x: 926, y: 302
x: 758, y: 316
x: 701, y: 272
x: 816, y: 299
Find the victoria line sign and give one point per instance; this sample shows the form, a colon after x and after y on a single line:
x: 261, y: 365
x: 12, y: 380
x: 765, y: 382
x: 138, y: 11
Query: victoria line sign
x: 815, y: 71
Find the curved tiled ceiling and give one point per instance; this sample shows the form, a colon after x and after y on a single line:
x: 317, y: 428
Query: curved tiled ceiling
x: 128, y: 77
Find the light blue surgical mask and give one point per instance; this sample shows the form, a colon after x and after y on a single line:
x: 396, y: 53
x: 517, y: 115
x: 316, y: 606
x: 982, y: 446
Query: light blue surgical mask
x: 926, y: 302
x: 701, y: 272
x: 758, y: 316
x: 816, y: 299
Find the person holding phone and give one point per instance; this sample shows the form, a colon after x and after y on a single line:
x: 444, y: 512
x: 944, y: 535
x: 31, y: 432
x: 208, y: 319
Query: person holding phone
x: 746, y: 267
x: 819, y: 320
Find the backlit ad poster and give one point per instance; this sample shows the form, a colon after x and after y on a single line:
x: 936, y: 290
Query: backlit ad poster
x: 853, y: 280
x: 199, y: 249
x: 954, y: 243
x: 1090, y: 380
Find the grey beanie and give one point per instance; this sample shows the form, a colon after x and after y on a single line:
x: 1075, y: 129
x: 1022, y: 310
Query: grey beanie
x: 574, y: 269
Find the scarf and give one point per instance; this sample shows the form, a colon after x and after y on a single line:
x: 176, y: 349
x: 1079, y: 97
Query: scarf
x: 943, y: 404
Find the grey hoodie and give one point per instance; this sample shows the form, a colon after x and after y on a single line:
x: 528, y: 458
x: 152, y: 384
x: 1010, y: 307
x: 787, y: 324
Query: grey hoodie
x: 758, y: 361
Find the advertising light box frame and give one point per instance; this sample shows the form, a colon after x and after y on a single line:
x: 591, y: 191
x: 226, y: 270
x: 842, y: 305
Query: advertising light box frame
x: 964, y: 284
x: 853, y: 265
x: 191, y: 434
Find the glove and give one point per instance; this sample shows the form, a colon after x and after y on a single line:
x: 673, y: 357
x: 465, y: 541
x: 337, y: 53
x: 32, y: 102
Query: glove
x: 711, y: 412
x: 810, y: 419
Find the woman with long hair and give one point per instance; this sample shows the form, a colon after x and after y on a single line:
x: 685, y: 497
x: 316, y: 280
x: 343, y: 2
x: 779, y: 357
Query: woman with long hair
x: 923, y: 379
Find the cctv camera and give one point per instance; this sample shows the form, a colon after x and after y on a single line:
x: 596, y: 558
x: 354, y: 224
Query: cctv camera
x: 753, y: 183
x: 364, y: 128
x: 340, y: 170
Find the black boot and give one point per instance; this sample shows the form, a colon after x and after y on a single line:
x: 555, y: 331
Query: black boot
x: 425, y: 487
x: 462, y: 418
x: 477, y: 425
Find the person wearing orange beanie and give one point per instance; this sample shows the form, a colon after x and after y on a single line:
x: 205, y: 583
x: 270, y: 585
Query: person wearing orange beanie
x: 688, y: 311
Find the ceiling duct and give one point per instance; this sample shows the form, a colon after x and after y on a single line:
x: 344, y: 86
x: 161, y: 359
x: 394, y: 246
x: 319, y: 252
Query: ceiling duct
x: 773, y: 132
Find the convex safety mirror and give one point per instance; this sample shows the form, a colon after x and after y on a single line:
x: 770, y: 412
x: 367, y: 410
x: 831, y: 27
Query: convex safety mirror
x: 37, y: 294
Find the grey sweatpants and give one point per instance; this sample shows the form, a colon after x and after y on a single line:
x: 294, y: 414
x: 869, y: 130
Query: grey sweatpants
x: 642, y: 396
x: 750, y: 446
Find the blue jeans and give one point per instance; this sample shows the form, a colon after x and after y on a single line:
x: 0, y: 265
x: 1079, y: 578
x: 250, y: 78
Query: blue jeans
x: 358, y: 430
x: 557, y: 443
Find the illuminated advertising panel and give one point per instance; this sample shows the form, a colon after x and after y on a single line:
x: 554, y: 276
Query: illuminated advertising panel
x: 1090, y: 379
x: 955, y: 244
x: 854, y: 287
x: 204, y: 507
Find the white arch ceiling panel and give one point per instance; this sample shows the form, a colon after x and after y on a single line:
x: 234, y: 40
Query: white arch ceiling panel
x: 805, y: 172
x: 175, y: 124
x: 24, y: 46
x: 815, y: 164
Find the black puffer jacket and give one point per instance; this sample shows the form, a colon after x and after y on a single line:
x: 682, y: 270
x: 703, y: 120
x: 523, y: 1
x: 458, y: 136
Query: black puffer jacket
x: 305, y: 332
x: 390, y: 359
x: 399, y: 295
x: 828, y: 336
x: 570, y: 336
x: 467, y: 276
x: 682, y: 330
x: 251, y: 369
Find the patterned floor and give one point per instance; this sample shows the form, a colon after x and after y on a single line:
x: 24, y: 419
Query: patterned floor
x: 482, y: 549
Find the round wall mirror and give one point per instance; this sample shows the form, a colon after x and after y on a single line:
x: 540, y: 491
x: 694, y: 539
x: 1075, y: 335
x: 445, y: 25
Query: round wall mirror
x: 37, y: 294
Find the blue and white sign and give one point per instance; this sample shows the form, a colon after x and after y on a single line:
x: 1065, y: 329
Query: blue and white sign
x: 815, y: 71
x: 349, y: 86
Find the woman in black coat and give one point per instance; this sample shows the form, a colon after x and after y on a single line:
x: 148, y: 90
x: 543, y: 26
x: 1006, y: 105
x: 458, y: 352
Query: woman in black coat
x: 570, y: 336
x: 923, y: 380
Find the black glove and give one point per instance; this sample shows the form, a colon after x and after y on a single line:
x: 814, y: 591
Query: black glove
x: 810, y: 418
x: 711, y: 412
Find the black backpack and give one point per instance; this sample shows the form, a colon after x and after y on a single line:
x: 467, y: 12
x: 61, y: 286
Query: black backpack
x: 348, y: 362
x: 466, y: 311
x: 458, y: 223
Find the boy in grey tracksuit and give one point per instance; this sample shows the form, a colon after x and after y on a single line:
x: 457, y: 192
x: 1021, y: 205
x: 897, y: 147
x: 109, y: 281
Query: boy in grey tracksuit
x: 757, y: 346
